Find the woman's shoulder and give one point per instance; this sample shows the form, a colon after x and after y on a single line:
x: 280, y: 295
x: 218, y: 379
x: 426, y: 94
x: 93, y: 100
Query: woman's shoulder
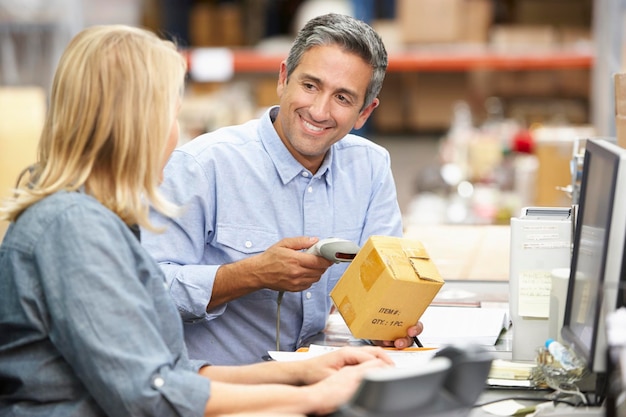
x: 62, y: 214
x: 61, y: 203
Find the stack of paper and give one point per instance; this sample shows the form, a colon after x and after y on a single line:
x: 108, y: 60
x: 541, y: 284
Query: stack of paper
x: 462, y: 325
x: 510, y: 374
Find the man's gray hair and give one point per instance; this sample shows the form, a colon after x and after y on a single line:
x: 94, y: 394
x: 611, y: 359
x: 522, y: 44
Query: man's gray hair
x: 353, y: 36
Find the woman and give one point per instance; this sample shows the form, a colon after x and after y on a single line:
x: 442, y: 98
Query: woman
x: 87, y: 327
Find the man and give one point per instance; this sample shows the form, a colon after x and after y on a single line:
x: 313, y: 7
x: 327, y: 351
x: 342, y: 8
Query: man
x: 257, y: 195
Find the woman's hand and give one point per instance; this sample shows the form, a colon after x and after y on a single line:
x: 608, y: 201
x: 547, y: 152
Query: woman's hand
x: 337, y: 389
x: 318, y: 368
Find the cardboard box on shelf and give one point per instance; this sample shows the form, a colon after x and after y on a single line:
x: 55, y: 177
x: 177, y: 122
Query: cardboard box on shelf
x: 431, y: 98
x: 390, y: 34
x: 437, y: 21
x: 554, y: 147
x: 523, y: 38
x: 553, y: 172
x: 548, y: 111
x: 476, y: 21
x: 573, y: 82
x: 201, y: 27
x: 524, y: 83
x: 386, y: 288
x: 620, y: 130
x: 265, y: 91
x: 620, y: 93
x: 554, y: 12
x: 389, y: 116
x: 216, y: 25
x: 575, y: 37
x: 425, y: 21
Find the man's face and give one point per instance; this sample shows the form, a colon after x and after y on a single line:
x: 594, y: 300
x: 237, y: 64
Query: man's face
x: 322, y: 102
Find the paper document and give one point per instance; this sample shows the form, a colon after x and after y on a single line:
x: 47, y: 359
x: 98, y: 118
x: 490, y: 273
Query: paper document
x: 462, y: 325
x: 511, y: 374
x: 501, y: 369
x: 402, y: 358
x: 534, y: 293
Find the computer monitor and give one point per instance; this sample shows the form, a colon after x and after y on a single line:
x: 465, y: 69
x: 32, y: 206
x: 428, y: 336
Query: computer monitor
x: 597, y: 267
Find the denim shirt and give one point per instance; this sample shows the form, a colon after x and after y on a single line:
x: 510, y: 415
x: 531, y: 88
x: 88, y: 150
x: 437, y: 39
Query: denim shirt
x: 87, y: 327
x: 242, y: 191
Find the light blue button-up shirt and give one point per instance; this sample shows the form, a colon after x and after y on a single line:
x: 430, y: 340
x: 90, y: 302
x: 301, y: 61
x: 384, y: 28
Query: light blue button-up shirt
x: 243, y: 192
x: 87, y: 327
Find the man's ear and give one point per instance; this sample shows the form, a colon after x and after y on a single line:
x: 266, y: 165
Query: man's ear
x: 365, y: 114
x: 282, y: 79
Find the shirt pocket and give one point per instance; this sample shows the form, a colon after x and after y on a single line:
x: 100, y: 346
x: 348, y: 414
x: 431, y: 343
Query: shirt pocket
x: 244, y: 241
x: 241, y: 242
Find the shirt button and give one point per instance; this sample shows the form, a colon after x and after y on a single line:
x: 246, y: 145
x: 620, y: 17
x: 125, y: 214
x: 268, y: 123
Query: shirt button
x: 310, y: 189
x: 248, y: 244
x: 305, y: 174
x: 308, y: 295
x: 158, y: 382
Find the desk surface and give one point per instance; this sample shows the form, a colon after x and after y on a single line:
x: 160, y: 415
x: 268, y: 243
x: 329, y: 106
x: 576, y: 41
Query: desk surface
x: 486, y: 293
x: 526, y: 398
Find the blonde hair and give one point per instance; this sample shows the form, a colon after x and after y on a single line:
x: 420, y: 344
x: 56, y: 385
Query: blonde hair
x: 114, y: 98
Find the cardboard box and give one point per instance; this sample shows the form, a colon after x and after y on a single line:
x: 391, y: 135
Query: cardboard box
x: 431, y: 98
x: 389, y: 116
x: 386, y: 288
x: 426, y: 21
x: 573, y: 82
x: 620, y: 130
x: 476, y: 21
x: 265, y: 91
x: 523, y: 38
x: 437, y: 21
x: 620, y: 93
x: 541, y: 83
x: 216, y: 25
x: 619, y: 85
x: 554, y: 147
x: 554, y: 12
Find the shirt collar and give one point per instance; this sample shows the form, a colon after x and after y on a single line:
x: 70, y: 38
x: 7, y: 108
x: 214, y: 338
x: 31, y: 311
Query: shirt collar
x: 134, y: 228
x: 287, y: 166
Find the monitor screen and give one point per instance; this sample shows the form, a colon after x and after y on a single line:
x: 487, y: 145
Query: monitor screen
x: 598, y: 252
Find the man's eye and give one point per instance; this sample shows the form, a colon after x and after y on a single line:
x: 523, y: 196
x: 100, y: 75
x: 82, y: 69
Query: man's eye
x: 343, y: 99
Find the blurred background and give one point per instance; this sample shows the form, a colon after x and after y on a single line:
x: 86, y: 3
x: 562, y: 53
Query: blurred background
x: 481, y: 110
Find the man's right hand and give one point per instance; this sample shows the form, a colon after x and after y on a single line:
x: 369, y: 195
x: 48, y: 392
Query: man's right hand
x: 284, y: 266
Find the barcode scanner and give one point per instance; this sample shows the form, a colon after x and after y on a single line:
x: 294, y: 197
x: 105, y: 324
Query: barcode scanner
x: 335, y: 250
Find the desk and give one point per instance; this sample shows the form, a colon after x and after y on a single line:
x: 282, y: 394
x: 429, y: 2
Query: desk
x: 476, y: 293
x: 542, y: 396
x: 486, y: 293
